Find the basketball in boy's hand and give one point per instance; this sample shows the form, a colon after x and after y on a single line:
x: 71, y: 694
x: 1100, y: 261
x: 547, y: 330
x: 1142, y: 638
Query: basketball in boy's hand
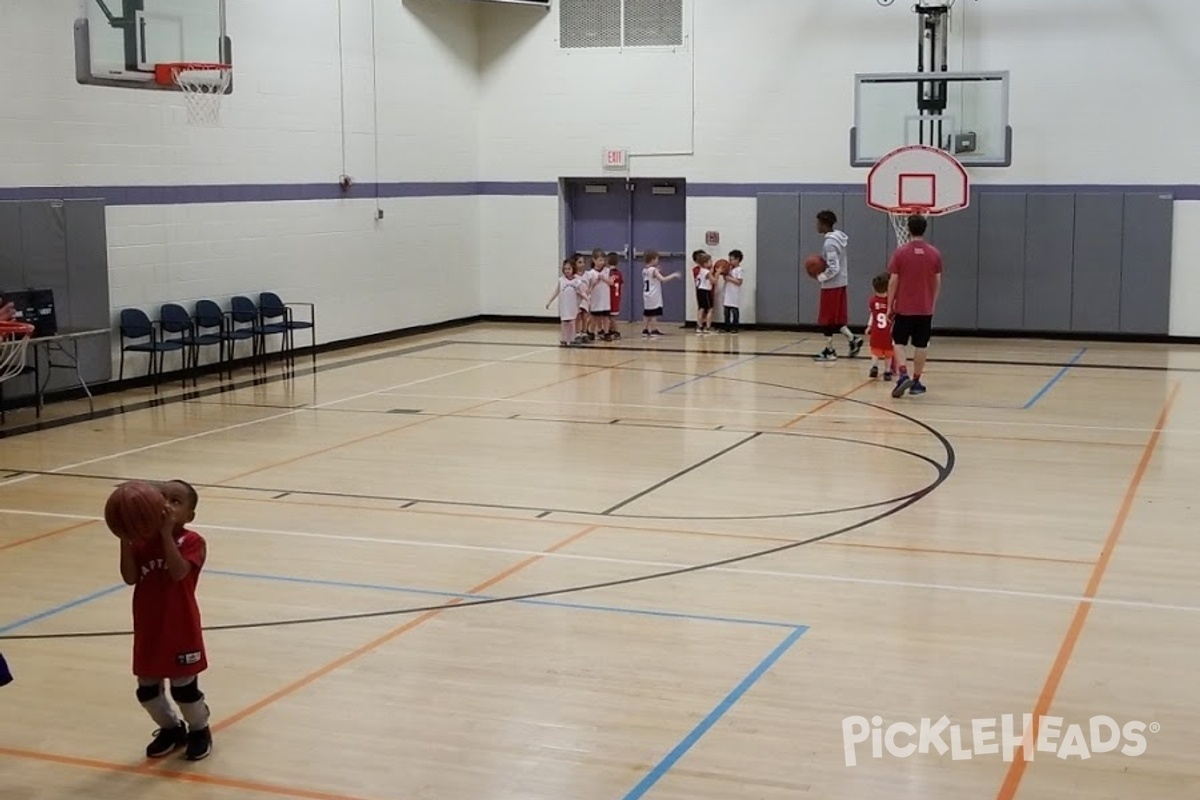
x: 135, y: 511
x: 814, y: 265
x: 721, y: 267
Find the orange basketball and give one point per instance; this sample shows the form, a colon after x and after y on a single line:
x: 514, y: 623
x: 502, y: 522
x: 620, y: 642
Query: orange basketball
x: 722, y: 266
x: 135, y: 511
x: 814, y: 265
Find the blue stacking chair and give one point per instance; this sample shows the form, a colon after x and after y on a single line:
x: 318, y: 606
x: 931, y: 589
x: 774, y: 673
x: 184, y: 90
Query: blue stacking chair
x: 207, y: 317
x: 136, y: 324
x: 271, y: 307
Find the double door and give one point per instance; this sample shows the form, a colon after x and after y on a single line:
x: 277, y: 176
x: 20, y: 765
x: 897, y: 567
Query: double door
x: 631, y: 217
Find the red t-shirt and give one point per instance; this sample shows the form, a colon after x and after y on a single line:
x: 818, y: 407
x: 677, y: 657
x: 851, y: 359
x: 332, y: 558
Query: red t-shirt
x: 168, y: 641
x: 880, y: 328
x: 614, y: 291
x: 918, y: 264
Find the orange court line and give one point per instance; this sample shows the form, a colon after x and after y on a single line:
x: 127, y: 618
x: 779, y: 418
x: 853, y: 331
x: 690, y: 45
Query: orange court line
x: 1016, y: 769
x: 379, y: 641
x: 45, y: 535
x: 189, y: 777
x: 423, y: 420
x: 826, y: 404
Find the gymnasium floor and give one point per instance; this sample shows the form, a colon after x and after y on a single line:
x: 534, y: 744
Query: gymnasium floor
x: 479, y: 517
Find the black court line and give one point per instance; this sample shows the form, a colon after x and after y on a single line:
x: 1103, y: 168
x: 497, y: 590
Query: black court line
x: 944, y: 473
x: 238, y: 404
x: 212, y: 391
x: 281, y: 496
x: 807, y: 357
x: 679, y: 474
x: 543, y: 515
x: 572, y: 511
x: 409, y: 504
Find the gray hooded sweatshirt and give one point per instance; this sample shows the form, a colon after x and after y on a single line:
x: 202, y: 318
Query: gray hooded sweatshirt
x: 837, y: 271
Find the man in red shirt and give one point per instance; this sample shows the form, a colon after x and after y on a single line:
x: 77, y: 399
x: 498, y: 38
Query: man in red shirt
x: 915, y: 280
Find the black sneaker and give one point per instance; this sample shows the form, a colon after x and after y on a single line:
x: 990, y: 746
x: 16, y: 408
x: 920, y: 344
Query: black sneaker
x: 167, y: 741
x: 874, y: 373
x: 856, y: 347
x: 828, y: 354
x: 199, y: 745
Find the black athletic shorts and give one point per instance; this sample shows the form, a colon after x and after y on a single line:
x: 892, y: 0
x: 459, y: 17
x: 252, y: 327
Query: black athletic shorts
x: 653, y: 312
x: 916, y: 330
x: 704, y: 299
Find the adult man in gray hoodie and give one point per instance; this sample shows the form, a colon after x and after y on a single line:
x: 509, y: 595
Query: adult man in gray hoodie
x: 834, y: 314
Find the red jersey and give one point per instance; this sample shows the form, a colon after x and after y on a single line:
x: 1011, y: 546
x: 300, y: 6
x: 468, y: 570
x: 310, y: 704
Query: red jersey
x: 918, y: 264
x: 880, y: 328
x: 614, y: 291
x: 167, y: 638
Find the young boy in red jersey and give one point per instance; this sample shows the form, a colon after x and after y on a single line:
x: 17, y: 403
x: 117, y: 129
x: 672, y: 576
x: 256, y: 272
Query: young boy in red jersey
x: 614, y: 262
x: 879, y: 329
x: 168, y: 639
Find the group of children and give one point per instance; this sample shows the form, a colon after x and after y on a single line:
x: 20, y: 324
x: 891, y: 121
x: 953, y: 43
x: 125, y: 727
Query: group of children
x: 589, y: 297
x: 727, y: 274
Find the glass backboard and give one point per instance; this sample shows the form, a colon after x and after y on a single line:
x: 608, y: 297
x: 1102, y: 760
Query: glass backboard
x: 964, y: 113
x: 119, y: 42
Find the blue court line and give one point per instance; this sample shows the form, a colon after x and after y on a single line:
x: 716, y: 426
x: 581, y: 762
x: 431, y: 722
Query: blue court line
x: 663, y: 767
x: 737, y: 363
x: 50, y: 612
x: 643, y: 612
x: 1058, y: 377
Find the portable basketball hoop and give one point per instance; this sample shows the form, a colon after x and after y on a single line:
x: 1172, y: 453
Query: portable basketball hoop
x: 14, y: 344
x: 203, y: 86
x: 917, y: 179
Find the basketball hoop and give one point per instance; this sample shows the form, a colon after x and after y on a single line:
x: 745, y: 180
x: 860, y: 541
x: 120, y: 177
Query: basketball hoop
x: 917, y: 179
x: 14, y: 344
x: 202, y: 85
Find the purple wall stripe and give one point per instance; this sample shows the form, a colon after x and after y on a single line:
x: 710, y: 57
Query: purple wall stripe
x: 298, y: 192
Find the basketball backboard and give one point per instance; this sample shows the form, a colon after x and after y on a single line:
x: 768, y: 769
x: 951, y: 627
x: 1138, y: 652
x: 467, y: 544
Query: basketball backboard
x: 918, y: 179
x: 964, y: 113
x: 119, y: 42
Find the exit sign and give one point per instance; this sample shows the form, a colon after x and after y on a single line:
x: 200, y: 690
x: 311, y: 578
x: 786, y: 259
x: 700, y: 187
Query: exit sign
x: 616, y: 158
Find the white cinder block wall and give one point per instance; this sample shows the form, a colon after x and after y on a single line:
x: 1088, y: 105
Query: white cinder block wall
x: 281, y: 127
x: 1102, y: 93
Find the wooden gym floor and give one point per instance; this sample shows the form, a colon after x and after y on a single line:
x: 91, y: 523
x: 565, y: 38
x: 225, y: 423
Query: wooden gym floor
x: 662, y: 569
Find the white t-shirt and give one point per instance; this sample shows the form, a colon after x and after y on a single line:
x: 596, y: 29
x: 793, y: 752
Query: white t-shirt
x: 652, y: 296
x: 704, y: 279
x: 601, y: 297
x: 569, y: 295
x: 733, y: 291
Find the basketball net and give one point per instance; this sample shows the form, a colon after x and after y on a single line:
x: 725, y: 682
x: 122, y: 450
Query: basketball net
x: 14, y: 344
x: 202, y: 86
x: 900, y: 223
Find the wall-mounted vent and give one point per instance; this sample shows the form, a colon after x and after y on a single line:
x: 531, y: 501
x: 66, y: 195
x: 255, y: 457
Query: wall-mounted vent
x: 620, y: 23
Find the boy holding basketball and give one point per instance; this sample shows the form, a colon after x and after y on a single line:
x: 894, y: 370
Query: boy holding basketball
x: 734, y: 279
x: 168, y: 640
x: 834, y: 313
x: 705, y: 282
